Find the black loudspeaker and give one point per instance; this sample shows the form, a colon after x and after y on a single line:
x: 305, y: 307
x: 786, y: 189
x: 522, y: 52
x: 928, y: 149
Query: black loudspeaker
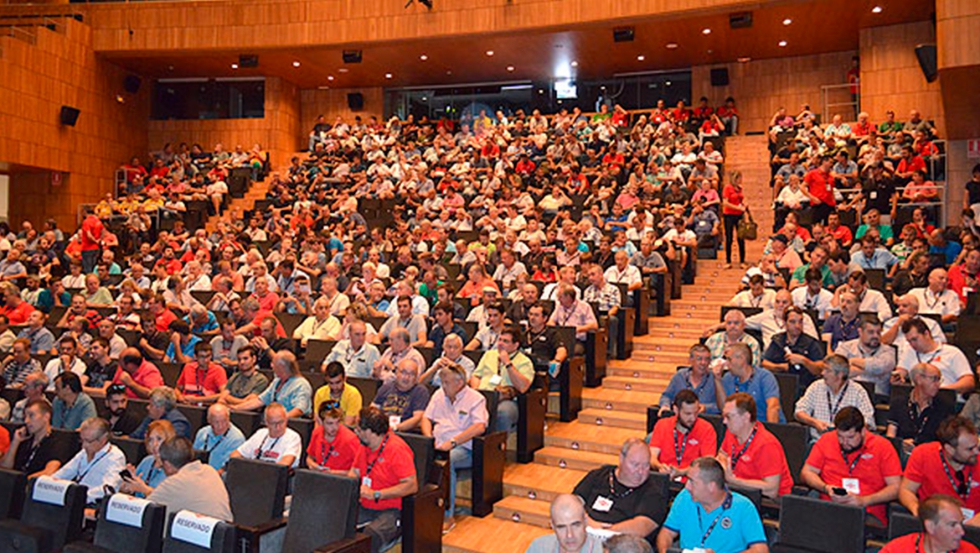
x: 623, y: 34
x: 742, y: 20
x: 355, y: 101
x: 352, y: 56
x: 69, y: 116
x: 132, y: 84
x: 926, y: 53
x: 248, y: 61
x: 719, y: 76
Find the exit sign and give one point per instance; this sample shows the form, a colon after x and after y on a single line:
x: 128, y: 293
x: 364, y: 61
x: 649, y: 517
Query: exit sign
x: 973, y: 148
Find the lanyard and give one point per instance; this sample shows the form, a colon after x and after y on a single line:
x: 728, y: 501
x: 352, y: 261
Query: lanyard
x: 612, y: 489
x: 738, y: 387
x: 79, y: 477
x: 931, y: 358
x: 736, y: 457
x: 370, y: 467
x: 851, y: 465
x: 919, y: 418
x: 326, y: 455
x: 711, y: 528
x: 835, y: 406
x: 965, y: 479
x: 34, y: 450
x: 934, y: 303
x: 261, y: 451
x: 279, y: 387
x: 680, y: 445
x: 207, y: 442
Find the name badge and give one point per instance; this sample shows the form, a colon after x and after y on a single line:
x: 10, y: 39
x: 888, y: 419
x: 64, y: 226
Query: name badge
x: 852, y: 485
x: 495, y: 380
x: 366, y: 481
x: 602, y: 504
x: 874, y: 195
x: 967, y: 513
x: 394, y: 421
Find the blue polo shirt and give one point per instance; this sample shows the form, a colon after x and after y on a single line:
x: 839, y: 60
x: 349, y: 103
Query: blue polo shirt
x: 738, y: 525
x: 761, y: 386
x: 187, y: 349
x: 219, y: 448
x: 295, y: 393
x: 682, y: 381
x: 208, y: 326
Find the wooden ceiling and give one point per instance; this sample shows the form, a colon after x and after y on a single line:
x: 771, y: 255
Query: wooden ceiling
x: 817, y: 26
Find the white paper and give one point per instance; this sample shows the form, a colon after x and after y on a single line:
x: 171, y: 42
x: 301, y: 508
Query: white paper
x: 601, y: 534
x: 193, y: 528
x: 126, y: 509
x: 51, y: 490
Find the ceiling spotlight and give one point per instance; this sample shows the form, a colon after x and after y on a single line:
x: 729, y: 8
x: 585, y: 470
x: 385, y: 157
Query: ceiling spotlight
x: 876, y: 9
x: 120, y: 99
x: 387, y: 75
x: 671, y: 45
x: 706, y: 31
x: 782, y: 43
x: 574, y: 64
x: 329, y: 77
x: 667, y: 83
x: 540, y: 91
x: 343, y: 70
x: 423, y: 57
x: 641, y: 57
x: 489, y: 52
x: 787, y: 21
x: 744, y: 59
x: 510, y: 68
x: 424, y: 99
x: 295, y: 64
x: 171, y: 68
x: 234, y: 66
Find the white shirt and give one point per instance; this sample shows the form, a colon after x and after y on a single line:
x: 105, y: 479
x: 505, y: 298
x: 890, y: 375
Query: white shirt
x: 745, y: 299
x: 767, y: 323
x: 901, y: 343
x: 261, y: 447
x: 550, y: 292
x: 628, y: 276
x: 102, y: 470
x: 875, y: 301
x: 950, y: 361
x: 820, y: 302
x: 54, y: 368
x: 202, y: 283
x: 947, y: 303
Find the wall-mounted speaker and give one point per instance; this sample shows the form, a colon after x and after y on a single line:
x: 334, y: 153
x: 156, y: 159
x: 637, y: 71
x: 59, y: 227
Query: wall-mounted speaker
x: 69, y: 116
x: 719, y: 76
x: 248, y: 61
x: 623, y: 34
x: 352, y: 56
x: 926, y: 53
x: 132, y: 84
x: 355, y: 101
x: 741, y: 20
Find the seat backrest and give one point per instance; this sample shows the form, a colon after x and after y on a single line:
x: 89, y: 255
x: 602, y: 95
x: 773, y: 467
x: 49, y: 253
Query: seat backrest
x: 901, y: 524
x: 719, y: 426
x: 788, y: 392
x: 900, y: 393
x: 820, y: 526
x: 12, y: 485
x: 493, y: 398
x: 63, y: 521
x: 121, y: 531
x: 747, y: 311
x: 316, y: 350
x: 133, y: 449
x: 755, y: 496
x: 246, y: 421
x: 257, y: 490
x: 324, y: 510
x: 223, y: 536
x: 424, y: 449
x: 367, y: 386
x: 794, y: 438
x: 71, y: 438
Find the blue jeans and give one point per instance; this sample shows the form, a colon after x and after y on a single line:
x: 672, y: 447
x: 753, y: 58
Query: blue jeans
x: 89, y: 259
x: 507, y: 415
x: 459, y: 458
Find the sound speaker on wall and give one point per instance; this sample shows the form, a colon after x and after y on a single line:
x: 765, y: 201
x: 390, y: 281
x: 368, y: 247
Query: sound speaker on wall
x: 355, y: 101
x: 248, y: 61
x: 623, y: 34
x: 926, y: 53
x: 719, y: 76
x: 352, y: 56
x: 132, y: 84
x: 69, y: 116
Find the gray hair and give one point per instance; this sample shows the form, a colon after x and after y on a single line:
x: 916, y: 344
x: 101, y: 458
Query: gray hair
x: 162, y: 396
x: 920, y: 369
x: 627, y: 543
x: 839, y: 364
x: 402, y: 334
x: 452, y: 338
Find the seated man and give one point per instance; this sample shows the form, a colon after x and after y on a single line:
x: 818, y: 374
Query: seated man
x: 163, y: 405
x: 869, y: 479
x: 570, y: 311
x: 337, y: 389
x: 385, y: 466
x: 677, y: 441
x: 34, y: 449
x: 101, y: 367
x: 825, y: 397
x: 813, y: 295
x: 916, y: 418
x: 697, y: 378
x: 908, y: 309
x: 623, y: 498
x: 743, y: 377
x: 414, y: 324
x: 400, y: 348
x: 793, y: 351
x: 952, y: 364
x: 452, y: 352
x: 609, y: 301
x: 356, y: 355
x: 268, y: 342
x: 288, y: 389
x: 509, y: 372
x: 319, y: 326
x: 122, y: 420
x: 41, y: 339
x: 541, y: 342
x: 98, y: 464
x: 246, y: 382
x: 843, y: 325
x: 190, y: 484
x: 201, y: 380
x: 455, y: 415
x: 138, y: 375
x: 220, y: 437
x: 751, y: 456
x: 947, y: 467
x: 772, y: 322
x: 182, y: 343
x: 402, y: 398
x: 868, y: 359
x: 568, y: 520
x: 333, y: 445
x: 868, y: 299
x: 66, y: 360
x: 732, y: 332
x: 706, y: 491
x: 937, y: 299
x: 444, y: 326
x: 757, y: 295
x: 225, y: 346
x: 276, y: 443
x: 71, y: 406
x: 942, y: 519
x: 486, y: 337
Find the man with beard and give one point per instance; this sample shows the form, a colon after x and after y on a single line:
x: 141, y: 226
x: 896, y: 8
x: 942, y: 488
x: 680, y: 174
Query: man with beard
x: 122, y: 422
x: 677, y: 441
x: 868, y: 359
x: 947, y: 467
x: 862, y: 464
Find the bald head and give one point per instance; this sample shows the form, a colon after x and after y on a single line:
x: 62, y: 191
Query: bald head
x: 568, y: 522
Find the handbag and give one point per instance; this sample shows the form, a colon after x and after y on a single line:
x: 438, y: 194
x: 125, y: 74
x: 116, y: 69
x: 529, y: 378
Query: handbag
x: 747, y: 228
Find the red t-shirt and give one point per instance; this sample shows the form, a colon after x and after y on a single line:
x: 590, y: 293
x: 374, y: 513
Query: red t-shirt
x: 390, y: 464
x: 925, y: 467
x: 339, y: 454
x: 842, y: 234
x: 917, y: 164
x: 957, y: 282
x: 4, y: 440
x: 700, y: 441
x: 91, y: 225
x: 194, y: 382
x: 911, y: 543
x: 734, y: 197
x: 18, y: 315
x: 147, y: 375
x: 764, y: 457
x: 257, y: 321
x: 875, y: 461
x: 821, y: 186
x: 163, y: 320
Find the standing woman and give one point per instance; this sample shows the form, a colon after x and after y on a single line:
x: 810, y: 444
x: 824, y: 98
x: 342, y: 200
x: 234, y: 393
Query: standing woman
x: 733, y: 209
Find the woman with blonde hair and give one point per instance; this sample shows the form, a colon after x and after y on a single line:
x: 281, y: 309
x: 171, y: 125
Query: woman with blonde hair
x: 149, y: 473
x: 733, y: 208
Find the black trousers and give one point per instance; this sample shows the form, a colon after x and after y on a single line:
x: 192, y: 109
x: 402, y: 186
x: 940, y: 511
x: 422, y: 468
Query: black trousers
x: 731, y: 233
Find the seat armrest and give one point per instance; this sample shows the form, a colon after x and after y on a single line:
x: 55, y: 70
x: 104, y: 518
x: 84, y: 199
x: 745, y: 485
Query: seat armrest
x: 360, y: 543
x: 249, y: 537
x: 489, y: 458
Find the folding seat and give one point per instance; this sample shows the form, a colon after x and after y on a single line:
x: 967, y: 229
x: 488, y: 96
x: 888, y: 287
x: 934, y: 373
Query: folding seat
x: 322, y: 497
x: 52, y: 516
x: 189, y: 532
x: 808, y: 525
x: 12, y: 486
x: 257, y: 491
x: 126, y: 525
x: 422, y: 512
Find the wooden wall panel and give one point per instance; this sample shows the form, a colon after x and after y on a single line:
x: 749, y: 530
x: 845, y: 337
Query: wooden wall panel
x: 760, y: 87
x: 332, y: 103
x: 891, y: 78
x: 61, y: 68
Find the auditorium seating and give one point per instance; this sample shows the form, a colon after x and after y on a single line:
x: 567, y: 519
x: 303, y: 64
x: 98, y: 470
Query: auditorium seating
x: 49, y: 520
x: 114, y: 534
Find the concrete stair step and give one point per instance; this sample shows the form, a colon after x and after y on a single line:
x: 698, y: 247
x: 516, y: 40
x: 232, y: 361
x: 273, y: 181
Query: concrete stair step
x: 611, y: 419
x: 661, y: 371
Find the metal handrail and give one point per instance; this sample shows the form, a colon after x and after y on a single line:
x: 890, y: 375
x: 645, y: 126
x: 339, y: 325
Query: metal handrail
x: 825, y: 91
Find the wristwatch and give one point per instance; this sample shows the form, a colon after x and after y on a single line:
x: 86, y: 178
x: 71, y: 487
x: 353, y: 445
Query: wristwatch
x: 452, y: 443
x: 377, y: 496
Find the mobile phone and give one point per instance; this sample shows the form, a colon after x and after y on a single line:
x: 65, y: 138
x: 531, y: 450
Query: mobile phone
x: 125, y: 474
x: 839, y: 491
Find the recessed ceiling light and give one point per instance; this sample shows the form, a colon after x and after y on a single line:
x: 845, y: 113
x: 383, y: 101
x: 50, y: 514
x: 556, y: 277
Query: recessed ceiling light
x: 234, y: 66
x: 329, y: 77
x: 423, y: 57
x: 706, y: 31
x: 449, y: 72
x: 510, y: 68
x: 489, y: 52
x: 744, y: 59
x: 876, y: 9
x: 667, y: 83
x: 782, y: 43
x: 574, y: 64
x: 323, y: 87
x: 387, y: 75
x: 343, y: 70
x: 540, y: 91
x: 787, y: 21
x: 671, y: 45
x: 295, y: 64
x: 641, y: 57
x: 171, y: 68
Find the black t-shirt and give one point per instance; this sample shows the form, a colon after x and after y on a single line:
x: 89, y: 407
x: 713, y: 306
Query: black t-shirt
x: 126, y: 424
x: 98, y: 375
x: 973, y: 191
x: 542, y: 346
x: 30, y: 459
x: 646, y: 500
x: 920, y: 427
